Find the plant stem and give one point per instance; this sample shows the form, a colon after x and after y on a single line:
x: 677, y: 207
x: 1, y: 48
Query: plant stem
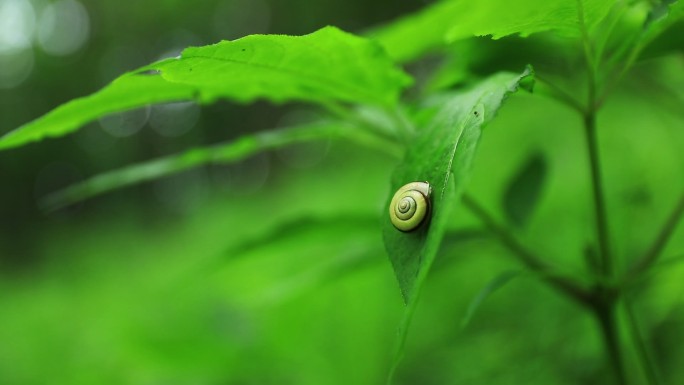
x: 529, y: 259
x: 592, y: 146
x: 606, y: 297
x: 598, y: 195
x: 605, y: 311
x: 659, y: 243
x: 645, y: 357
x: 559, y: 94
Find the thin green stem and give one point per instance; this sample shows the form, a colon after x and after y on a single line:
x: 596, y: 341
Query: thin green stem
x: 592, y: 146
x: 614, y: 17
x: 605, y: 298
x: 653, y: 253
x: 528, y: 258
x: 622, y: 71
x: 347, y: 114
x: 601, y: 216
x: 559, y: 94
x: 406, y: 128
x: 645, y: 357
x: 588, y: 56
x: 607, y: 317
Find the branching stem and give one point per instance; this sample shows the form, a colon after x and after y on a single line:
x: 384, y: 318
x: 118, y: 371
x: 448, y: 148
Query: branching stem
x: 605, y: 298
x: 653, y: 253
x: 529, y: 259
x: 559, y: 94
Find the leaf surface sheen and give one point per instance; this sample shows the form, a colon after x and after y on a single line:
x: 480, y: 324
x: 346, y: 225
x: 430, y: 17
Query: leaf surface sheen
x: 442, y: 156
x: 327, y: 66
x: 451, y: 20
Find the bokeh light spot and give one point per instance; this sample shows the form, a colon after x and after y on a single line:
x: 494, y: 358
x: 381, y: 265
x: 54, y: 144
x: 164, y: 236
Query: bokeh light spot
x: 15, y: 67
x: 17, y: 22
x: 64, y: 27
x: 174, y: 119
x: 123, y: 124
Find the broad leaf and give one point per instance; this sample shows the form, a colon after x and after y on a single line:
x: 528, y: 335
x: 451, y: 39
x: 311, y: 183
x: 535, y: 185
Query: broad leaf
x: 640, y: 29
x: 447, y: 21
x: 324, y: 67
x: 441, y: 155
x: 524, y: 189
x: 662, y: 17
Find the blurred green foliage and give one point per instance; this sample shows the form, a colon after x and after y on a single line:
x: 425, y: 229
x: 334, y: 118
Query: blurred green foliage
x: 273, y: 270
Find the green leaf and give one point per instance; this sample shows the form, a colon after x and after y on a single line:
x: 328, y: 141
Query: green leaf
x: 127, y: 92
x: 327, y: 66
x: 524, y: 189
x: 441, y: 155
x: 495, y: 284
x: 448, y: 21
x: 662, y: 17
x: 222, y: 153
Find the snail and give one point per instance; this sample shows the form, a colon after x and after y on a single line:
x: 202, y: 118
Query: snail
x: 410, y: 206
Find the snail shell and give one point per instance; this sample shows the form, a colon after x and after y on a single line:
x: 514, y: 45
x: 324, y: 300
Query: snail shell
x: 410, y: 206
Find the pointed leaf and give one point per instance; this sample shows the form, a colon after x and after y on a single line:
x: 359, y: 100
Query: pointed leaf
x: 326, y: 66
x: 447, y: 21
x: 495, y: 284
x: 524, y: 189
x: 442, y: 155
x: 662, y: 17
x: 127, y: 92
x: 222, y: 153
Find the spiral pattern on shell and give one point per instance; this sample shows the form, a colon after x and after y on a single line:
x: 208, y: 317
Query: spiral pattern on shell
x: 410, y: 206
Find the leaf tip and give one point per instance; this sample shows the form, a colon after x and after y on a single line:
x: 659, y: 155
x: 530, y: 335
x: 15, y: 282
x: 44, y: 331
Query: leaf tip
x: 527, y: 79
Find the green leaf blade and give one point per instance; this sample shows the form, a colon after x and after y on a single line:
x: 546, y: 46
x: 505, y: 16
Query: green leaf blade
x: 222, y: 153
x: 442, y: 156
x: 451, y: 20
x: 524, y: 190
x: 495, y: 284
x: 327, y: 66
x: 125, y: 93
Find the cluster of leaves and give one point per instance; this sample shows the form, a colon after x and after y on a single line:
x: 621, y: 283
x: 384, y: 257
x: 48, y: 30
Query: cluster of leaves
x: 358, y: 82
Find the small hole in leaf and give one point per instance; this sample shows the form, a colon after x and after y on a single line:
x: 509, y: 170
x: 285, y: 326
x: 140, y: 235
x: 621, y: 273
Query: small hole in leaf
x: 149, y: 72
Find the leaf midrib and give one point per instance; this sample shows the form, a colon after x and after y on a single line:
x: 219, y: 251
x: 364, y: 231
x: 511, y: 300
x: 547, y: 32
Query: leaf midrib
x: 290, y: 71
